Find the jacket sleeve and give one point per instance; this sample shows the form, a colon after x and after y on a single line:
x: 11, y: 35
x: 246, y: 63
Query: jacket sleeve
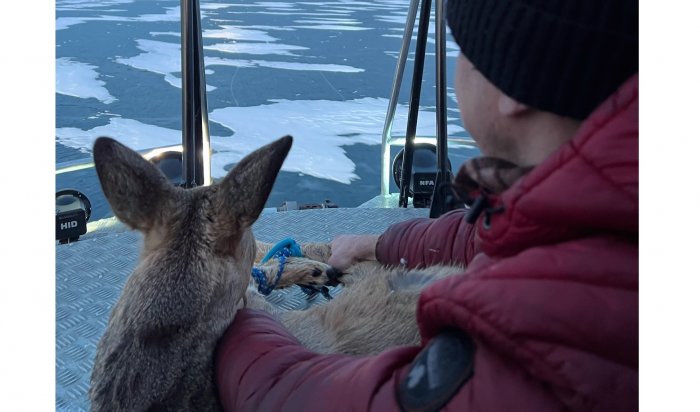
x: 420, y: 242
x: 260, y: 366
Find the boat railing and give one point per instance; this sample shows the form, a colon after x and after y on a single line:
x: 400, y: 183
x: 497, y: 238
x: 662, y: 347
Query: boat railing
x: 440, y: 139
x: 80, y: 164
x: 196, y: 152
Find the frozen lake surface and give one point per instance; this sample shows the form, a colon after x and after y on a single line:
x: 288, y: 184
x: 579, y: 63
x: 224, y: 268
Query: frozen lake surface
x: 318, y: 70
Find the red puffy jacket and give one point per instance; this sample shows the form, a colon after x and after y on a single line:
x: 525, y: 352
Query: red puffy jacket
x: 550, y: 296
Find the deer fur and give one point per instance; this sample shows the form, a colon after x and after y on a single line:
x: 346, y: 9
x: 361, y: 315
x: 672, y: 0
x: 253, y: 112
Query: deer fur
x: 193, y: 274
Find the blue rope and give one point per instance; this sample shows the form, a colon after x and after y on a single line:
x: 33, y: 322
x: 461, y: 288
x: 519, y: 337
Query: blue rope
x: 288, y: 243
x: 281, y: 251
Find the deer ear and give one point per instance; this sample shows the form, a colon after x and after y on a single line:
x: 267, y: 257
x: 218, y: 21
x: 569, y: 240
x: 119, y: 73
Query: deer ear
x: 242, y: 194
x: 134, y: 188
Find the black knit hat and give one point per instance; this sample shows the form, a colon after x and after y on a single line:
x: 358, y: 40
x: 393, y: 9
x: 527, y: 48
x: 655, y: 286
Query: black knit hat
x: 560, y: 56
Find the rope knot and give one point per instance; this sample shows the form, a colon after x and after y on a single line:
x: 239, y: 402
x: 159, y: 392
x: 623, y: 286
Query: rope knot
x: 282, y: 251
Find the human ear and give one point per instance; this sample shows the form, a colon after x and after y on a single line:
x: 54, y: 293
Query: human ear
x: 507, y: 106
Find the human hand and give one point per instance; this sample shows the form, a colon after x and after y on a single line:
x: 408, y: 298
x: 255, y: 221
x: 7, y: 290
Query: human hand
x: 347, y: 250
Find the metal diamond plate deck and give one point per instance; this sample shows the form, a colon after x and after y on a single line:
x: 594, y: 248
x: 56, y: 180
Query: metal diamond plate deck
x: 91, y: 272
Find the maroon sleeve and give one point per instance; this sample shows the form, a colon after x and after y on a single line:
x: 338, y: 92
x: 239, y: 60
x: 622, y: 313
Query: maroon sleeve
x: 260, y: 366
x: 448, y: 239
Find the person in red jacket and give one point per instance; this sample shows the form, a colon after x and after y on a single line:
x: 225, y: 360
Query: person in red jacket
x: 546, y: 315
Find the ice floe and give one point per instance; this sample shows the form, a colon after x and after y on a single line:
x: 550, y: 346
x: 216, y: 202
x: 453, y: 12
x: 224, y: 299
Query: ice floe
x: 80, y: 80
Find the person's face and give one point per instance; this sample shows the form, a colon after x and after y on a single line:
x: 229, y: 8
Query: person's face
x: 478, y: 106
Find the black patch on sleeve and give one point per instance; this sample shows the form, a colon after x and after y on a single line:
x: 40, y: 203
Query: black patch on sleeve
x: 438, y: 372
